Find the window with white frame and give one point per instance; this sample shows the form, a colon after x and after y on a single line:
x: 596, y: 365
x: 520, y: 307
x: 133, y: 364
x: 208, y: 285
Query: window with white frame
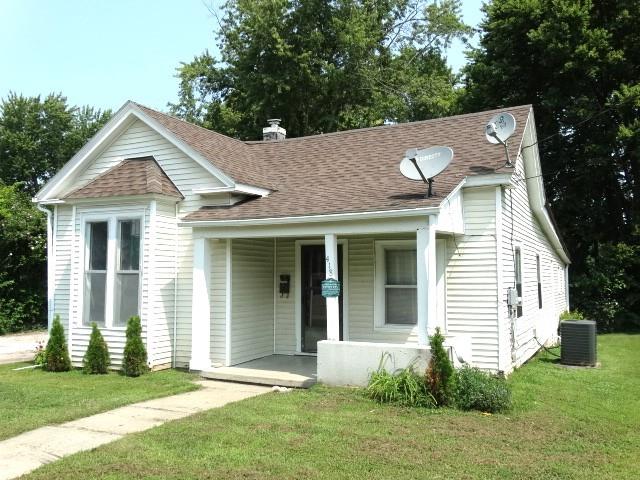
x: 396, y: 279
x: 112, y: 271
x: 517, y: 258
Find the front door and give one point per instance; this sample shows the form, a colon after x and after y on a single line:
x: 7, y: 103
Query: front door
x: 314, y: 305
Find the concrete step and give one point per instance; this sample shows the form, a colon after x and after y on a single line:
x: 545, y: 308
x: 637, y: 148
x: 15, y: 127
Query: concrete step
x: 259, y: 377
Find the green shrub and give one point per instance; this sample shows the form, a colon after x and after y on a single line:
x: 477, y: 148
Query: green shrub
x: 134, y: 362
x: 440, y: 376
x: 405, y: 387
x: 478, y: 390
x: 571, y: 315
x: 96, y: 359
x: 56, y: 354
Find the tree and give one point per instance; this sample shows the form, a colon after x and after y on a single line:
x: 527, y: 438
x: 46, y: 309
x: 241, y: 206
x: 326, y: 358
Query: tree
x: 56, y: 354
x: 579, y: 65
x: 322, y: 66
x: 38, y: 136
x: 96, y: 358
x: 134, y: 362
x: 22, y: 262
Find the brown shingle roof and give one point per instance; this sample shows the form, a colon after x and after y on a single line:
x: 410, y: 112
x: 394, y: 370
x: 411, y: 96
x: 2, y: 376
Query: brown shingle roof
x: 132, y: 176
x: 358, y: 170
x: 231, y: 156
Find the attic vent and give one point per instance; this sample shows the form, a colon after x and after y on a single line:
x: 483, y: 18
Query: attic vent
x: 274, y: 131
x: 578, y: 342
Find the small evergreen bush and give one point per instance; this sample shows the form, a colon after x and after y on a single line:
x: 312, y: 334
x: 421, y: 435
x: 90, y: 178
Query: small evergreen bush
x: 96, y: 359
x: 478, y: 390
x: 405, y: 388
x: 440, y: 376
x: 134, y: 362
x: 56, y: 355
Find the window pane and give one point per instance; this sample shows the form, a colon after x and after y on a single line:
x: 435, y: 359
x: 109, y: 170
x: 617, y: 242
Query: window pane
x: 98, y: 245
x: 127, y: 285
x: 95, y: 292
x: 129, y: 244
x: 400, y: 267
x: 401, y: 306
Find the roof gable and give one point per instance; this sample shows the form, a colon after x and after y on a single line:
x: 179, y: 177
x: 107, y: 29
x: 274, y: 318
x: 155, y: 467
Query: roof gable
x: 132, y: 176
x: 117, y: 125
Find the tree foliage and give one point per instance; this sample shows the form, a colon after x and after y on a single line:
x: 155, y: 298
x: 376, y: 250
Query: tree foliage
x: 323, y: 66
x: 37, y: 136
x: 578, y: 63
x: 22, y: 261
x: 56, y: 354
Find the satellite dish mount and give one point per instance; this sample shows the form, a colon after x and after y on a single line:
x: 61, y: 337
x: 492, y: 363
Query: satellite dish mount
x: 499, y: 129
x: 428, y: 181
x: 424, y: 164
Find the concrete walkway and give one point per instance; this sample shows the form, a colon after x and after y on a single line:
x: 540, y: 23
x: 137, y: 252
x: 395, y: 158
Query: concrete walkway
x: 20, y: 347
x: 30, y: 450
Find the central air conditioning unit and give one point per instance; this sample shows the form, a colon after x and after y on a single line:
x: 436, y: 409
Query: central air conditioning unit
x: 578, y: 343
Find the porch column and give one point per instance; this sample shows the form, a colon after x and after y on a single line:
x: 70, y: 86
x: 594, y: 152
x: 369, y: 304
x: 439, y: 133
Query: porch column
x: 331, y: 271
x: 200, y: 308
x: 426, y: 280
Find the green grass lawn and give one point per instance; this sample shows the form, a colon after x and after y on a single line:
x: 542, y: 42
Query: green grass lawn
x: 32, y: 398
x: 566, y: 423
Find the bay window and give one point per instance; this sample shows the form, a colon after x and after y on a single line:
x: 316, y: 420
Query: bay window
x: 112, y: 271
x: 396, y: 284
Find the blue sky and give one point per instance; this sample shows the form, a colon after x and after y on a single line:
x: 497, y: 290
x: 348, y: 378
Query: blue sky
x: 103, y: 53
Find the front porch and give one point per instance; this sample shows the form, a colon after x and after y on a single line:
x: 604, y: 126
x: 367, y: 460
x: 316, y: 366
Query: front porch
x: 296, y: 371
x: 258, y: 306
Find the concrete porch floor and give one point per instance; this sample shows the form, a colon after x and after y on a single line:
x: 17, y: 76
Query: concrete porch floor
x: 296, y: 371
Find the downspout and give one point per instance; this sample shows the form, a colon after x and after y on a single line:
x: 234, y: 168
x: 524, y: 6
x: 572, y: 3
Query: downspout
x: 50, y: 268
x: 175, y: 287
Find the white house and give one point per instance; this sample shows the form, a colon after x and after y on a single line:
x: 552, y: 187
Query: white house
x: 221, y: 245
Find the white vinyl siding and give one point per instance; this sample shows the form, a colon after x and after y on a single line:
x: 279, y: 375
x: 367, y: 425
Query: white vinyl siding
x: 252, y: 302
x: 285, y: 323
x: 527, y: 232
x: 218, y: 296
x: 162, y: 286
x: 472, y: 279
x: 63, y: 246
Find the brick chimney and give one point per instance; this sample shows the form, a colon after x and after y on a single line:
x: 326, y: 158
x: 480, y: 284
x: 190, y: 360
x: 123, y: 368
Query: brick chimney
x: 274, y: 131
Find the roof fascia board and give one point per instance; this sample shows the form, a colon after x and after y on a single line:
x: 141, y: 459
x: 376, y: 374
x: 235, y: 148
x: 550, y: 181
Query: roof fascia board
x: 68, y: 169
x: 311, y: 218
x: 237, y: 188
x: 535, y: 187
x: 182, y: 145
x: 489, y: 180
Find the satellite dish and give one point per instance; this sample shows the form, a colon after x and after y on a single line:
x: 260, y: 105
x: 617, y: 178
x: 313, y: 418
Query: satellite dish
x: 500, y: 128
x: 424, y: 164
x: 430, y: 161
